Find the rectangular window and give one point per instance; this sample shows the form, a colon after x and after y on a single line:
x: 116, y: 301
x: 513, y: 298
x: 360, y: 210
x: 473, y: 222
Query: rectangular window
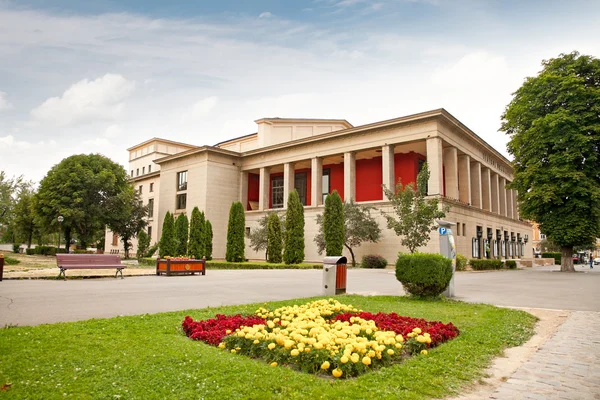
x: 542, y: 236
x: 496, y: 244
x: 115, y: 239
x: 181, y: 202
x: 149, y: 168
x: 326, y: 183
x: 247, y: 231
x: 300, y: 186
x: 475, y: 248
x: 150, y: 233
x: 464, y: 229
x: 150, y: 208
x: 137, y: 172
x: 510, y: 249
x: 140, y: 189
x: 131, y: 172
x: 143, y: 170
x: 182, y: 180
x: 151, y: 186
x: 503, y: 248
x: 277, y: 192
x: 458, y: 229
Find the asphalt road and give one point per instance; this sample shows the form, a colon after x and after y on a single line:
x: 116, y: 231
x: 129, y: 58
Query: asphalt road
x: 33, y: 302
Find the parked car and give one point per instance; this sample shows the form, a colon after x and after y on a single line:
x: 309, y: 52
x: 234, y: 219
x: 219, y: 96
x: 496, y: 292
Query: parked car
x: 597, y: 261
x: 575, y: 259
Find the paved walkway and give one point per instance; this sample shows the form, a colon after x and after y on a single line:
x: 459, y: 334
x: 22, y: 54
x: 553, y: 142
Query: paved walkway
x: 565, y: 367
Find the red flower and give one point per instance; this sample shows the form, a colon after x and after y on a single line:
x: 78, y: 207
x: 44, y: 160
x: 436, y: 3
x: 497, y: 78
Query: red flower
x: 212, y: 331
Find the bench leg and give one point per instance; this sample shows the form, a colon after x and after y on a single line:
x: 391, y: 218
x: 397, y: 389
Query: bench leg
x: 62, y: 272
x: 117, y: 273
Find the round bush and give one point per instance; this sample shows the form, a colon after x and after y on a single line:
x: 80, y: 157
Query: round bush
x: 373, y: 261
x: 424, y: 274
x: 461, y: 262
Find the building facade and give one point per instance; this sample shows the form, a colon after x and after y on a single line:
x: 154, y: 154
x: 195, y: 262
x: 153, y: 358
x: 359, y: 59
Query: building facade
x: 316, y: 157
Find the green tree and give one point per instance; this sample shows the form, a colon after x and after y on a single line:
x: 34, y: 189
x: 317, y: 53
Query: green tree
x: 235, y: 233
x: 274, y: 239
x: 333, y: 225
x: 143, y: 244
x: 197, y: 242
x: 181, y: 235
x: 259, y: 237
x: 78, y: 188
x: 127, y: 216
x: 167, y: 246
x: 209, y: 241
x: 23, y: 220
x: 359, y: 227
x: 294, y: 230
x: 554, y: 125
x: 416, y: 214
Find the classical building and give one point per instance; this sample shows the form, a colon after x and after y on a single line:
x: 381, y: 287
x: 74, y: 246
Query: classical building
x: 317, y: 156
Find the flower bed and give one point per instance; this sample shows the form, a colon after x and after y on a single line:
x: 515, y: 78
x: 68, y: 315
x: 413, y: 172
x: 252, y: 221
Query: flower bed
x: 323, y: 336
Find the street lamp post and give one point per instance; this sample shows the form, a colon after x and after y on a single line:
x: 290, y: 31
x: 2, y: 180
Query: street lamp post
x: 60, y: 220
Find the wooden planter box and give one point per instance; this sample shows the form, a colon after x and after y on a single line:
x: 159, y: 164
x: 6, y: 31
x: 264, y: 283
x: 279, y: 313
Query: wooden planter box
x: 180, y: 267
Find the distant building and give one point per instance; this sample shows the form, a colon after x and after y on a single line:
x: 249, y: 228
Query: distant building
x: 317, y: 156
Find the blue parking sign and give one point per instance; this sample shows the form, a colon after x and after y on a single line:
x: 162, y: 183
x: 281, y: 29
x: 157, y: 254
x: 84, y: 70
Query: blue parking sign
x: 442, y: 230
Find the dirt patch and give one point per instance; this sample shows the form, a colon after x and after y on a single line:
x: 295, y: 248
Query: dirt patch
x: 29, y: 262
x: 503, y: 367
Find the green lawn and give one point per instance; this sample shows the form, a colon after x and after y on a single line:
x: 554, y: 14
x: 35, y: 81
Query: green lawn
x: 149, y: 357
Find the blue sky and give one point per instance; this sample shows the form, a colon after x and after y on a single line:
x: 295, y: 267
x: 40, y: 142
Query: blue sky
x: 101, y: 76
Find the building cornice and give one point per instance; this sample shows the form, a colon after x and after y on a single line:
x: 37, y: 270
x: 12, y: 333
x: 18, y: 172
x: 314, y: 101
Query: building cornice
x: 166, y: 141
x: 144, y: 177
x: 197, y: 150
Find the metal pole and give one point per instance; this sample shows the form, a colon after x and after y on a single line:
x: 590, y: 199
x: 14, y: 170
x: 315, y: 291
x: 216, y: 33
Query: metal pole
x: 58, y: 247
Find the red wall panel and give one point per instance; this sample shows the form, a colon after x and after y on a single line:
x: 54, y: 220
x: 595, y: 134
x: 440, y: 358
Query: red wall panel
x: 336, y: 178
x: 253, y: 185
x: 369, y: 177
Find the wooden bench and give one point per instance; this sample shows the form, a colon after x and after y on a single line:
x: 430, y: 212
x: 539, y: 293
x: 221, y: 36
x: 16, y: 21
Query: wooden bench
x: 89, y: 261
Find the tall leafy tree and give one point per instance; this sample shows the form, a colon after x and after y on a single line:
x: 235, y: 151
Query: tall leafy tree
x: 209, y: 241
x: 9, y: 189
x: 127, y: 216
x: 235, y: 233
x: 554, y: 125
x: 359, y: 227
x: 294, y: 230
x: 181, y: 235
x: 78, y: 188
x: 415, y: 215
x: 24, y: 217
x: 333, y: 225
x: 168, y: 245
x: 197, y: 242
x: 143, y: 244
x: 274, y: 239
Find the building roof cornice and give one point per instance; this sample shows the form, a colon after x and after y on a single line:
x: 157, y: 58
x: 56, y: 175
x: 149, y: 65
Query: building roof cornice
x: 155, y: 139
x: 197, y: 150
x: 144, y: 176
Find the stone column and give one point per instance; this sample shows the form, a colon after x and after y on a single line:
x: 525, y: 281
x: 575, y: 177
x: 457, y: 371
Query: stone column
x: 434, y: 161
x: 502, y: 190
x: 464, y: 178
x: 263, y: 188
x: 244, y: 189
x: 495, y: 193
x: 316, y: 181
x: 288, y: 181
x: 451, y: 172
x: 349, y: 176
x: 476, y: 184
x: 387, y: 165
x: 509, y: 204
x: 515, y: 205
x: 486, y: 192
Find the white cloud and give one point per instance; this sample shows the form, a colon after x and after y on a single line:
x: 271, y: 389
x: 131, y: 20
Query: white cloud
x: 4, y: 103
x: 472, y: 70
x: 100, y: 99
x: 265, y: 14
x: 113, y: 131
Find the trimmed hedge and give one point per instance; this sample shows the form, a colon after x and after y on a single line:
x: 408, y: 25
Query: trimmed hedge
x: 373, y: 261
x: 44, y: 251
x: 461, y: 262
x: 555, y: 255
x: 242, y: 265
x: 511, y: 264
x: 424, y: 274
x: 482, y: 265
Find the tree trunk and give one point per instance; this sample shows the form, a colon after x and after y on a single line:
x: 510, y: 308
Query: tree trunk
x: 566, y: 259
x: 352, y: 254
x: 125, y: 246
x: 29, y: 239
x: 67, y: 239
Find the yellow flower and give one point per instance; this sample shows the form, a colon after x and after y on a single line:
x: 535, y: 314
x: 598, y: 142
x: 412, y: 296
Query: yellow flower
x: 398, y: 346
x: 337, y: 372
x: 221, y: 345
x: 294, y: 352
x: 424, y: 352
x: 417, y: 331
x: 228, y: 331
x: 390, y: 352
x: 325, y: 365
x: 355, y: 358
x: 233, y: 351
x: 271, y: 346
x: 366, y: 360
x: 273, y: 364
x: 256, y: 341
x: 344, y: 360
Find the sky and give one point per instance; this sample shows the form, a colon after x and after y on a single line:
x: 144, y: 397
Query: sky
x: 81, y: 77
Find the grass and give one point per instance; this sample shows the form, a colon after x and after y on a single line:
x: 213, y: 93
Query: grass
x: 149, y: 357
